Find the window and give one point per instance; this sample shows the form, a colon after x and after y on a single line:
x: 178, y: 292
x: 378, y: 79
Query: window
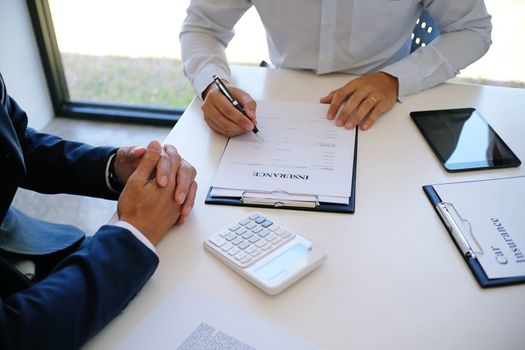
x: 121, y: 59
x: 503, y: 63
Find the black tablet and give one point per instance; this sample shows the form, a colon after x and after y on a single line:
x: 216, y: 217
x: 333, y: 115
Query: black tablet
x: 463, y: 140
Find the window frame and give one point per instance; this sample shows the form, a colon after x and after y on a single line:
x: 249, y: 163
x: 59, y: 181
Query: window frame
x: 63, y: 105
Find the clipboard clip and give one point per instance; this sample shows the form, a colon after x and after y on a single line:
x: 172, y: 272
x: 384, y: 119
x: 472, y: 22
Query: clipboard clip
x: 280, y: 198
x: 461, y: 230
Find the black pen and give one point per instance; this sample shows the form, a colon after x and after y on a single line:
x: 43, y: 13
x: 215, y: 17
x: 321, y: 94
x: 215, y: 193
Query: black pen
x: 232, y: 99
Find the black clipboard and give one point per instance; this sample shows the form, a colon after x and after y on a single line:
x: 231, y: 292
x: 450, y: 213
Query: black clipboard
x: 471, y: 261
x: 319, y: 206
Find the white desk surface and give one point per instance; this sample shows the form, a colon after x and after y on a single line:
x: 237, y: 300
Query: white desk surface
x: 393, y: 278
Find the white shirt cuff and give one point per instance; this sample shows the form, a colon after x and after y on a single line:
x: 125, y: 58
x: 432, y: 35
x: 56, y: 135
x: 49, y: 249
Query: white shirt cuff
x: 107, y: 174
x: 140, y: 236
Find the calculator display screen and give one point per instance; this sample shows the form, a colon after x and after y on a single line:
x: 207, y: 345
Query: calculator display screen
x: 283, y: 265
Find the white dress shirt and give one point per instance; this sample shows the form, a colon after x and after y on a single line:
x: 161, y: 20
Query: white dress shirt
x: 352, y: 36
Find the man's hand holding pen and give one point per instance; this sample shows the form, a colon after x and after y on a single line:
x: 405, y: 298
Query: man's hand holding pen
x: 222, y: 116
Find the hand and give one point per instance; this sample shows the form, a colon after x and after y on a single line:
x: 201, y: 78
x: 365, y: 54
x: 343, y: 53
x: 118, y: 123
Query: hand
x: 186, y: 187
x: 362, y: 101
x: 222, y: 116
x: 152, y: 209
x: 127, y: 160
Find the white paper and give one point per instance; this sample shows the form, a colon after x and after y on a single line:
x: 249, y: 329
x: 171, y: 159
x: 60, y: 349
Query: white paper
x: 494, y: 209
x: 187, y: 316
x: 206, y: 337
x: 302, y: 153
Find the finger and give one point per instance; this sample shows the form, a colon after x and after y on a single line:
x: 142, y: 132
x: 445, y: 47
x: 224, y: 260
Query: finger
x: 230, y: 112
x: 249, y: 107
x: 328, y: 98
x: 185, y: 177
x: 148, y: 162
x: 218, y: 119
x: 190, y: 200
x: 136, y: 152
x: 347, y: 115
x: 163, y: 169
x: 227, y: 127
x: 175, y: 161
x: 374, y: 115
x: 365, y: 106
x: 338, y: 100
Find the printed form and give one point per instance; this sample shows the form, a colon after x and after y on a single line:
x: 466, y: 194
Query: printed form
x: 494, y: 211
x: 302, y: 154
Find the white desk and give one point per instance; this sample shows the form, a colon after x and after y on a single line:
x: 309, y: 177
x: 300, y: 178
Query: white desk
x: 393, y: 278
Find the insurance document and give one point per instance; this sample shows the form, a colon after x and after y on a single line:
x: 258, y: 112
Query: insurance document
x: 301, y: 153
x: 496, y: 229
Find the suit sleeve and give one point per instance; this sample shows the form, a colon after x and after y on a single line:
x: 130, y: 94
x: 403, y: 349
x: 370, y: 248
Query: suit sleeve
x: 82, y: 294
x: 54, y: 165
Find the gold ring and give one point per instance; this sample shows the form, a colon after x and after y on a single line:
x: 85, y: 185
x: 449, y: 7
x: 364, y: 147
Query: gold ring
x: 373, y: 100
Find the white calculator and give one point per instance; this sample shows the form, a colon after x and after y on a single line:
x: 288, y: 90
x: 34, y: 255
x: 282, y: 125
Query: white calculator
x: 267, y: 254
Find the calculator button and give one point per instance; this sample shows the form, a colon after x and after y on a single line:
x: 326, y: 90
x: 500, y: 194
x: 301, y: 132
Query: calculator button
x: 249, y: 240
x: 244, y: 245
x: 227, y: 247
x: 266, y: 246
x: 280, y: 231
x: 254, y: 239
x: 218, y: 241
x: 247, y: 235
x: 237, y: 241
x: 264, y: 233
x: 231, y: 236
x: 233, y: 251
x: 240, y: 255
x: 235, y: 227
x: 270, y: 237
x: 286, y: 234
x: 266, y: 223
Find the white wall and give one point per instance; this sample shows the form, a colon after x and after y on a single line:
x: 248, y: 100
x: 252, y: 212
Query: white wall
x: 20, y: 63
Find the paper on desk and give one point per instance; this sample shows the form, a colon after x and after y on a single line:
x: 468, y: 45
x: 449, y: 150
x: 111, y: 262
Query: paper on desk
x: 302, y: 153
x: 494, y: 209
x: 188, y: 319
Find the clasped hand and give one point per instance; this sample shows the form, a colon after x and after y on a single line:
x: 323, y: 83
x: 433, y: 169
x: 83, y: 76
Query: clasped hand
x: 159, y: 190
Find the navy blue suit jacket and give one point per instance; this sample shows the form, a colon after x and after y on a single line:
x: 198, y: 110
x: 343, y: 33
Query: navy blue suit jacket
x: 89, y: 285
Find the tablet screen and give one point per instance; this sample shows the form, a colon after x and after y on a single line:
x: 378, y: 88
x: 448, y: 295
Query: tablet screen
x: 463, y: 140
